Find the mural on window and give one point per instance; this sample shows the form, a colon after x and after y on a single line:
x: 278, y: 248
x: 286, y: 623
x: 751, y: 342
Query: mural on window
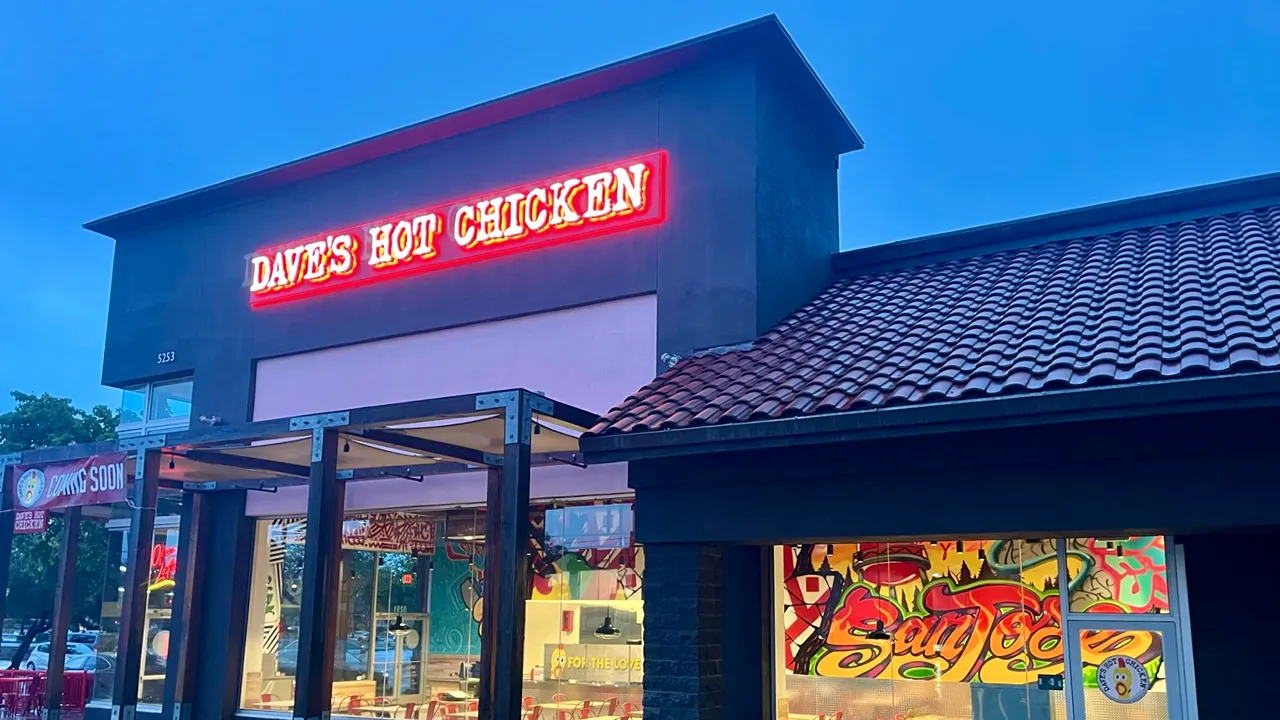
x: 963, y: 611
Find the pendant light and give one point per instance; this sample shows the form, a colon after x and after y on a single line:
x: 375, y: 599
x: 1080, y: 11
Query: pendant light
x: 399, y: 627
x: 607, y: 631
x: 879, y: 633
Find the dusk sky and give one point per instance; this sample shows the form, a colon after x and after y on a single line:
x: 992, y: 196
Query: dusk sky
x: 972, y: 113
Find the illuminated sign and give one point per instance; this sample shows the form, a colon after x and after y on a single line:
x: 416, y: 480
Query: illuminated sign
x: 605, y: 199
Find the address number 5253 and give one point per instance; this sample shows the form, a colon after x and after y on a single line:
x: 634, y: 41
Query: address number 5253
x: 165, y: 357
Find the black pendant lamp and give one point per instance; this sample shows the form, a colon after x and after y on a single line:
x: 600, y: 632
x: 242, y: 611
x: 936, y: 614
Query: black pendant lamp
x: 607, y: 631
x: 879, y: 633
x: 398, y: 626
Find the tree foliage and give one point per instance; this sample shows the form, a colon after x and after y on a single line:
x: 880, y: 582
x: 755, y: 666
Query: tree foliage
x: 45, y: 421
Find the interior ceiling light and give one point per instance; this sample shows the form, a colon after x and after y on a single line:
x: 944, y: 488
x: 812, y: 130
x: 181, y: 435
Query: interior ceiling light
x: 607, y: 631
x: 826, y: 560
x: 398, y: 626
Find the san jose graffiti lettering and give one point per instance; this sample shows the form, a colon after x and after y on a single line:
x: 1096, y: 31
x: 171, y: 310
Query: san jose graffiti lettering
x: 983, y: 611
x: 995, y: 632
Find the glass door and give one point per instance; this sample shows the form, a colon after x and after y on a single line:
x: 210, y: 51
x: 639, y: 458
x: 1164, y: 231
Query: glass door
x: 398, y: 654
x: 1122, y: 669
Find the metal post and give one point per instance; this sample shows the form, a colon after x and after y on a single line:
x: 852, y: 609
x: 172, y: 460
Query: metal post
x: 63, y: 599
x: 506, y: 569
x: 133, y: 606
x: 184, y: 647
x: 6, y: 530
x: 320, y: 579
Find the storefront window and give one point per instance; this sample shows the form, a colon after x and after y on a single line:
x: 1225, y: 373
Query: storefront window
x: 584, y: 640
x: 955, y: 629
x: 410, y: 607
x: 393, y: 616
x: 161, y: 589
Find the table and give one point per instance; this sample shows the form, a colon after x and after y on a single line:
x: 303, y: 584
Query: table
x: 801, y: 716
x: 277, y: 704
x: 387, y: 710
x: 563, y: 705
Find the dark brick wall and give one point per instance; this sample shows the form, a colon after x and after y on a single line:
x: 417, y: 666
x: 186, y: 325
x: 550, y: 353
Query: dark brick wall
x: 1233, y: 638
x: 684, y: 633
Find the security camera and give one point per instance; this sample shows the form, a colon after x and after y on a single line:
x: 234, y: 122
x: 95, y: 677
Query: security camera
x: 210, y: 419
x: 670, y: 359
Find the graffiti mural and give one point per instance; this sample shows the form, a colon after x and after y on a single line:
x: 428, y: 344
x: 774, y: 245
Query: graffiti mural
x: 586, y: 554
x: 962, y: 611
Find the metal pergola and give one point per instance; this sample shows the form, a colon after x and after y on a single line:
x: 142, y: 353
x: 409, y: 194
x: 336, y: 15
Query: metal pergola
x: 504, y: 433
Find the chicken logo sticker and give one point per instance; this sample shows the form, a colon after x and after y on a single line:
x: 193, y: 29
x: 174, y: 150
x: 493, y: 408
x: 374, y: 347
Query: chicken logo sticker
x: 1123, y: 679
x: 559, y: 659
x: 30, y: 488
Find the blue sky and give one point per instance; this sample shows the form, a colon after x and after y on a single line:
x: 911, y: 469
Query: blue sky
x: 972, y: 113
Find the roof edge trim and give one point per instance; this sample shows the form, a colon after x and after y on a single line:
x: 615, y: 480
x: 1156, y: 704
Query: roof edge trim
x: 1183, y: 203
x: 1178, y: 396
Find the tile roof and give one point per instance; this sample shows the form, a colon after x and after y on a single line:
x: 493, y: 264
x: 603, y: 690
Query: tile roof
x: 1176, y: 300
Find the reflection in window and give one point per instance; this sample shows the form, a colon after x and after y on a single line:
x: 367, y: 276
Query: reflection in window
x: 170, y: 400
x: 133, y: 403
x: 161, y: 589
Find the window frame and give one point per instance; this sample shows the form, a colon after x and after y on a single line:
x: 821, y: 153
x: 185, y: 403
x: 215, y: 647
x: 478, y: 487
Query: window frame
x: 147, y: 425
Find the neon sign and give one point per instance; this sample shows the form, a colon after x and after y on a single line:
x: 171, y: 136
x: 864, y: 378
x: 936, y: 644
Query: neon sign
x: 164, y: 567
x: 602, y: 200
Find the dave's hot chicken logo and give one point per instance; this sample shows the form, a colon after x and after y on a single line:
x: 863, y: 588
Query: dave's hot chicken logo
x: 30, y: 487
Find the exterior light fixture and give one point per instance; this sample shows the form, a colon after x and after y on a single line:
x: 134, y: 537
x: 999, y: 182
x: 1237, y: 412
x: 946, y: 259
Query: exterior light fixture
x: 346, y: 446
x: 170, y: 462
x: 879, y: 633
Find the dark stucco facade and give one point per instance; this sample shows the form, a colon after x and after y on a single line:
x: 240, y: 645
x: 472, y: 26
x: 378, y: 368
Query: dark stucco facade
x: 753, y: 144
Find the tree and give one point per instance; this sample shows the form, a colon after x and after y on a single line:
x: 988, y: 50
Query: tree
x: 45, y: 421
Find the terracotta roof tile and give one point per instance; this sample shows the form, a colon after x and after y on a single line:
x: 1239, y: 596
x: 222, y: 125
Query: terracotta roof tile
x: 1161, y: 302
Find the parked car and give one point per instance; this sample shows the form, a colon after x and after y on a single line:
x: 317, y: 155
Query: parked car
x: 93, y: 663
x: 38, y: 659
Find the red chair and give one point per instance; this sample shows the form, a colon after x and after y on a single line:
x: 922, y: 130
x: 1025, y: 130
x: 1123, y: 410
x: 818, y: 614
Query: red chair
x: 533, y: 713
x: 432, y: 708
x: 584, y: 710
x: 627, y: 709
x: 527, y: 703
x: 410, y: 711
x: 559, y: 697
x: 611, y: 707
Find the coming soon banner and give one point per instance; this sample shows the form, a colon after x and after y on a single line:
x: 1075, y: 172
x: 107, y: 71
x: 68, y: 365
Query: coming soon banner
x: 38, y: 489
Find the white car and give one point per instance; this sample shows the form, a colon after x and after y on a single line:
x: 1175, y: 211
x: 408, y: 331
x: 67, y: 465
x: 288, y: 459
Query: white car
x: 38, y: 659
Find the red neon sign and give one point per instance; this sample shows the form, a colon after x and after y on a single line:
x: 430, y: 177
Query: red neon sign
x: 601, y: 200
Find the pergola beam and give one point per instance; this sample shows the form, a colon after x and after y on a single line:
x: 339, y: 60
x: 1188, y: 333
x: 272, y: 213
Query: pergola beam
x: 241, y: 462
x: 404, y: 441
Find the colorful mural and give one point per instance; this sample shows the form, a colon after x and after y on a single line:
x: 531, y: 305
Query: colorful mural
x: 963, y: 611
x: 587, y: 554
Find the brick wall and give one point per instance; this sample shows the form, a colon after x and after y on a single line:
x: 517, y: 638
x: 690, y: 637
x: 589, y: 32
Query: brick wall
x: 684, y: 630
